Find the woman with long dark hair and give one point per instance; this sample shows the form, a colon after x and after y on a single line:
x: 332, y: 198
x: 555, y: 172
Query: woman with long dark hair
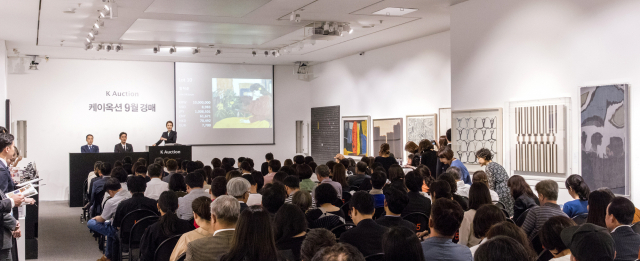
x: 598, y: 202
x: 340, y: 176
x: 579, y: 191
x: 428, y: 156
x: 400, y: 243
x: 396, y: 175
x: 478, y: 196
x: 522, y: 194
x: 253, y: 239
x: 290, y: 227
x: 384, y: 156
x: 168, y: 225
x: 178, y: 185
x: 441, y: 167
x: 427, y: 177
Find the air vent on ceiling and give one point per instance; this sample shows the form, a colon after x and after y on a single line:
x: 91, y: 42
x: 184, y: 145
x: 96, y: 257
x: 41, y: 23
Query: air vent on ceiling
x: 395, y: 11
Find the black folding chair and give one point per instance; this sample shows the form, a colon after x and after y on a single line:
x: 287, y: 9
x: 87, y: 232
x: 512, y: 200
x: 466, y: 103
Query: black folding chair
x: 636, y: 227
x: 522, y: 217
x: 375, y: 257
x: 378, y: 213
x: 420, y: 219
x: 164, y: 250
x: 580, y: 218
x: 346, y: 196
x: 337, y: 231
x: 346, y: 209
x: 500, y: 205
x: 128, y: 221
x: 136, y: 232
x: 85, y: 202
x: 545, y: 256
x: 182, y: 256
x: 537, y: 244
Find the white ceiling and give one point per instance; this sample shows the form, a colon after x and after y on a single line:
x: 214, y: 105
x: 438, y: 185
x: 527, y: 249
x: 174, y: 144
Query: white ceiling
x: 236, y: 27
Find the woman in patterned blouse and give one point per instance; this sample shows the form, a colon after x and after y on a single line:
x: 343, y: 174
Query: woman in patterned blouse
x: 497, y: 178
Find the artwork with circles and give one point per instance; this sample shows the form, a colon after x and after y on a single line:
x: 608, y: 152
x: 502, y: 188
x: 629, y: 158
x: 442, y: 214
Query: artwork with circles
x: 476, y: 129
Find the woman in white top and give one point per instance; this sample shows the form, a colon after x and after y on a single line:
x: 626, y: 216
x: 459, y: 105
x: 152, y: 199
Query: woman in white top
x: 507, y: 228
x: 550, y: 237
x: 478, y: 196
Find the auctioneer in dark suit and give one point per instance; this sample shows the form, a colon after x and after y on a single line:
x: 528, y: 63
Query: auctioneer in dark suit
x: 6, y: 185
x: 209, y: 248
x: 627, y: 243
x: 120, y: 149
x: 171, y: 138
x: 89, y: 149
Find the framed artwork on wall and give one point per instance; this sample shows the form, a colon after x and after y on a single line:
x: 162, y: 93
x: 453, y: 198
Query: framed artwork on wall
x: 604, y: 128
x: 355, y: 136
x: 444, y: 122
x: 388, y: 131
x: 421, y: 127
x: 476, y: 129
x: 538, y: 140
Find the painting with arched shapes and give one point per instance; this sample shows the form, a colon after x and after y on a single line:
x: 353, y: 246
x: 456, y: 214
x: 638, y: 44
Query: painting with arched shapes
x: 605, y: 136
x: 473, y: 130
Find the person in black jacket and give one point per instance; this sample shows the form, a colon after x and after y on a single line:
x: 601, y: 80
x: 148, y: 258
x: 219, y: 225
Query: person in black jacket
x: 367, y: 235
x: 395, y: 201
x: 123, y: 146
x: 523, y: 195
x: 385, y: 157
x: 169, y: 136
x: 619, y: 217
x: 417, y: 202
x: 428, y: 156
x: 464, y: 202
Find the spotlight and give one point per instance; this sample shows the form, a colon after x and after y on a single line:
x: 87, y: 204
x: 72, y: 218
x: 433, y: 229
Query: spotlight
x: 196, y: 50
x: 119, y: 48
x: 218, y: 51
x: 88, y: 46
x: 172, y: 50
x: 292, y: 17
x: 106, y: 7
x: 103, y: 13
x: 156, y: 49
x: 347, y: 28
x: 275, y: 53
x: 88, y: 40
x: 109, y: 47
x: 94, y: 32
x: 91, y: 36
x: 98, y: 23
x: 254, y: 53
x: 99, y: 47
x: 266, y: 53
x: 33, y: 65
x: 298, y: 18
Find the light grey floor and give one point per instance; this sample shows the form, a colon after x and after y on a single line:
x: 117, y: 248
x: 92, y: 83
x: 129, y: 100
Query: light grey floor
x: 61, y: 236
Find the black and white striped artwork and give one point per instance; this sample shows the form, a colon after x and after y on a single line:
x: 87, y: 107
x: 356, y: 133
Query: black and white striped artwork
x: 537, y: 143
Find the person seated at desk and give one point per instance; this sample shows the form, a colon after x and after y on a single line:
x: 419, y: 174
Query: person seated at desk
x: 89, y: 148
x: 123, y: 146
x: 169, y: 136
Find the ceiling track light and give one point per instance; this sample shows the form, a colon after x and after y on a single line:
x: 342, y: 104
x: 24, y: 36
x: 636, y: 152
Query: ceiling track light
x: 292, y: 17
x: 98, y: 24
x: 119, y: 48
x: 172, y: 49
x: 99, y: 47
x: 88, y: 46
x: 266, y: 53
x: 253, y: 53
x: 156, y: 49
x: 218, y: 52
x: 275, y: 53
x: 196, y: 50
x: 109, y: 47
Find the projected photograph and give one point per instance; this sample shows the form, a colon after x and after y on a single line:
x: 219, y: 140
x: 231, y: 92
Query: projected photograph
x: 355, y: 136
x: 242, y: 103
x: 388, y: 131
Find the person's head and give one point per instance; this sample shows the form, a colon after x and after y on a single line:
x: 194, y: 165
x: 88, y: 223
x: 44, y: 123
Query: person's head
x: 479, y: 195
x: 395, y: 173
x: 395, y: 201
x: 315, y: 240
x: 154, y: 170
x: 136, y: 184
x: 550, y: 234
x: 298, y: 159
x: 233, y: 174
x: 413, y: 181
x: 620, y: 212
x: 172, y: 165
x: 268, y: 156
x: 445, y: 155
x: 288, y: 222
x: 519, y: 187
x: 225, y: 211
x: 105, y: 168
x: 446, y: 217
x: 280, y: 176
x: 486, y: 216
x: 118, y: 163
x: 313, y: 166
x: 484, y: 156
x: 361, y: 167
x: 577, y: 187
x: 330, y: 165
x: 411, y: 147
x: 218, y: 187
x: 480, y: 177
x: 502, y: 248
x: 304, y: 171
x: 547, y: 191
x: 89, y: 139
x: 440, y: 189
x: 201, y: 210
x: 240, y: 160
x: 159, y: 161
x: 302, y: 199
x: 252, y: 181
x: 362, y: 206
x: 216, y: 163
x: 442, y: 142
x: 123, y: 137
x: 597, y: 205
x: 308, y: 159
x: 454, y: 172
x: 219, y: 172
x: 449, y: 135
x: 194, y: 180
x: 589, y: 242
x: 112, y: 186
x: 273, y: 197
x: 340, y: 174
x: 274, y: 166
x: 378, y: 179
x: 425, y: 145
x: 323, y: 171
x: 169, y: 125
x: 325, y: 194
x: 253, y: 229
x: 345, y: 162
x: 451, y: 180
x: 239, y: 188
x: 509, y: 229
x: 142, y: 161
x: 385, y: 149
x: 292, y: 184
x: 288, y: 162
x: 339, y: 252
x: 289, y: 170
x: 167, y: 205
x: 400, y: 243
x: 246, y: 167
x: 96, y: 167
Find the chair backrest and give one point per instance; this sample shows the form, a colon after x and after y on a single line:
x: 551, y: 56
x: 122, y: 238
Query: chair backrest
x: 338, y: 230
x: 131, y: 219
x: 537, y: 244
x: 545, y: 256
x: 580, y: 218
x: 137, y: 230
x: 375, y: 257
x: 346, y: 209
x: 366, y: 184
x: 420, y: 219
x: 636, y: 227
x: 182, y: 256
x: 522, y: 217
x: 379, y: 212
x: 85, y: 194
x: 354, y: 188
x: 346, y: 196
x: 500, y: 205
x: 164, y: 250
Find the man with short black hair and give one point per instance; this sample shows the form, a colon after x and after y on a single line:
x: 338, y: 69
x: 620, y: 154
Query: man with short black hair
x: 155, y: 186
x: 255, y: 199
x: 360, y: 176
x: 417, y: 202
x: 97, y: 187
x: 378, y: 180
x: 273, y: 197
x: 264, y: 168
x: 240, y: 160
x: 123, y: 146
x: 367, y: 235
x: 589, y: 242
x: 89, y: 148
x: 136, y: 185
x: 395, y: 201
x: 272, y: 167
x: 172, y: 168
x: 619, y: 217
x: 548, y: 195
x: 446, y: 217
x: 292, y: 185
x: 103, y: 223
x: 194, y: 189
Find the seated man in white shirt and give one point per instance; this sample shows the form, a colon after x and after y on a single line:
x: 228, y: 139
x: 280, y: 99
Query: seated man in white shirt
x: 255, y: 198
x: 156, y: 186
x: 463, y: 189
x: 102, y: 223
x: 194, y: 188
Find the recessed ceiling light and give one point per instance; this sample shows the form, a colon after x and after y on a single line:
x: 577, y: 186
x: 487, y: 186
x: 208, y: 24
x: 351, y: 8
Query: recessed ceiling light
x: 70, y: 11
x: 395, y: 11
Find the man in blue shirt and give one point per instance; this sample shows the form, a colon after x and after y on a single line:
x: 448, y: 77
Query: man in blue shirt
x: 446, y: 157
x: 445, y: 220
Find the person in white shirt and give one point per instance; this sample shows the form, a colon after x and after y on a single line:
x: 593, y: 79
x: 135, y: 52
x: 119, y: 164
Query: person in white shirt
x: 155, y: 186
x: 255, y: 199
x: 93, y: 174
x: 102, y: 223
x: 463, y: 189
x: 194, y: 187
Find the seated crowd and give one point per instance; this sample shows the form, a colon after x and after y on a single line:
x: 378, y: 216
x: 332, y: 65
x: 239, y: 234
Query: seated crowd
x: 375, y: 209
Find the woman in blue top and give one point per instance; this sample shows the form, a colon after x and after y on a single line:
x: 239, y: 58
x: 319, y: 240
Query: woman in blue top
x: 446, y: 157
x: 579, y: 191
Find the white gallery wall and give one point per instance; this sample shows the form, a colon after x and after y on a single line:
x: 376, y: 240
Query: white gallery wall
x: 503, y: 50
x: 3, y: 79
x: 408, y: 78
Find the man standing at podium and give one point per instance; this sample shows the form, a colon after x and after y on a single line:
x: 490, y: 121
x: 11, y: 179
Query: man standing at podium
x: 89, y: 148
x: 123, y: 146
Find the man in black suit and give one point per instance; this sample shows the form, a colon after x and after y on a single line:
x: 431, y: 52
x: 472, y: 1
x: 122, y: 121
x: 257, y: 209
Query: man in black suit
x: 169, y: 136
x: 417, y: 202
x: 395, y: 201
x: 123, y: 146
x: 89, y: 148
x: 367, y: 235
x: 619, y: 217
